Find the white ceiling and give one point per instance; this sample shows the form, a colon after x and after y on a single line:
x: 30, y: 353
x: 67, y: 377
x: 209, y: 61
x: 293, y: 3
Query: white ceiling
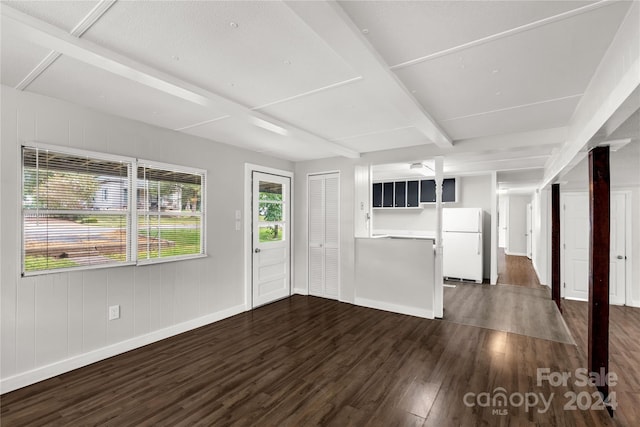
x: 342, y: 78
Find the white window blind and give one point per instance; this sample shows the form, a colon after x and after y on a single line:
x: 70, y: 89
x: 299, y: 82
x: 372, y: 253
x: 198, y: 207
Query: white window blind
x: 75, y: 210
x: 170, y: 211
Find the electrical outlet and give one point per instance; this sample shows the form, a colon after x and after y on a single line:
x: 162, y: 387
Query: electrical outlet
x: 114, y: 312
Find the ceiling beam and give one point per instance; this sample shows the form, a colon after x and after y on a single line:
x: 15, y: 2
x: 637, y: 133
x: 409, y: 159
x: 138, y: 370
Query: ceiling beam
x: 43, y: 34
x: 331, y: 23
x: 616, y: 79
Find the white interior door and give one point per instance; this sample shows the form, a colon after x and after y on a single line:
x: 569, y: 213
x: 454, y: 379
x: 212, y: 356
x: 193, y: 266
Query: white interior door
x: 575, y: 243
x: 324, y: 235
x: 503, y: 214
x: 617, y: 268
x: 529, y: 232
x: 271, y: 236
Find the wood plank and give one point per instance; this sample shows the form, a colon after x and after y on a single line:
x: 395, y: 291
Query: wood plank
x: 599, y: 254
x: 310, y: 361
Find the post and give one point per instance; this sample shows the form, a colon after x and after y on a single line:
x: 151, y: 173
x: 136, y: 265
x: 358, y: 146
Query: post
x: 599, y: 201
x: 438, y: 297
x: 555, y: 245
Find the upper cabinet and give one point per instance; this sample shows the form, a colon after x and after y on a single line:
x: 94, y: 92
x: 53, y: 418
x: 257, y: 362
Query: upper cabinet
x: 411, y: 193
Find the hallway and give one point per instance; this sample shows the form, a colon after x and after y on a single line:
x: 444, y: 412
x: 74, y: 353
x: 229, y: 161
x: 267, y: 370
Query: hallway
x: 516, y: 271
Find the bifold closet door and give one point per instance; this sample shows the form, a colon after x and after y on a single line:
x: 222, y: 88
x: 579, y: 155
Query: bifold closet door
x: 324, y: 235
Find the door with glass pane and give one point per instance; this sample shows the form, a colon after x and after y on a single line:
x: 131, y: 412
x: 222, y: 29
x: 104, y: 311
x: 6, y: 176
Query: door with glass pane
x: 271, y: 238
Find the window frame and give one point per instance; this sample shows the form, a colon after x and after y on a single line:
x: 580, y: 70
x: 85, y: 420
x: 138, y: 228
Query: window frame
x: 138, y: 212
x: 132, y: 212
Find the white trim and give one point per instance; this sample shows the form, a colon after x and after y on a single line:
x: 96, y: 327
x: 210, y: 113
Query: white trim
x: 151, y: 261
x: 78, y: 268
x: 628, y: 289
x: 493, y: 260
x: 48, y: 371
x: 394, y: 308
x: 576, y: 299
x: 63, y: 149
x: 249, y: 168
x: 300, y: 291
x: 515, y: 253
x: 171, y: 167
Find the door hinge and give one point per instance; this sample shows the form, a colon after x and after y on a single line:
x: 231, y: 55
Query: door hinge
x: 564, y: 285
x: 564, y: 246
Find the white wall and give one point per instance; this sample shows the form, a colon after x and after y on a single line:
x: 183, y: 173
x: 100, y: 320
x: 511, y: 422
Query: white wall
x: 541, y: 236
x: 517, y: 227
x: 62, y: 317
x: 346, y: 167
x: 473, y: 192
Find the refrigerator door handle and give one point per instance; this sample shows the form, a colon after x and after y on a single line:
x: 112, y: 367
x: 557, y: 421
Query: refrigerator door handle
x: 479, y: 241
x: 479, y: 223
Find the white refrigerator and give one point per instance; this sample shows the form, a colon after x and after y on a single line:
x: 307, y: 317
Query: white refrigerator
x: 462, y: 243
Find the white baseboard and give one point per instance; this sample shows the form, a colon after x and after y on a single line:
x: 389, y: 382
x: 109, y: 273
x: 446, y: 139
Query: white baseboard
x: 395, y: 308
x: 576, y: 299
x: 634, y: 304
x: 515, y: 253
x: 48, y: 371
x: 300, y: 291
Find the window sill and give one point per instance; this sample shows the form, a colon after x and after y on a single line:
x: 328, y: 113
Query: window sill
x: 146, y: 262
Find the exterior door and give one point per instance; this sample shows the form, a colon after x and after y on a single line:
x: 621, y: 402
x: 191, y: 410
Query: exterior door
x: 271, y: 236
x: 576, y: 231
x: 324, y: 235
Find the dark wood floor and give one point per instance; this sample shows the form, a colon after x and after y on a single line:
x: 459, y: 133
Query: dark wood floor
x: 516, y: 271
x: 310, y: 361
x: 624, y: 352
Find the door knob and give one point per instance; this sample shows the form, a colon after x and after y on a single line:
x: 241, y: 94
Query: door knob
x: 257, y: 250
x: 620, y: 257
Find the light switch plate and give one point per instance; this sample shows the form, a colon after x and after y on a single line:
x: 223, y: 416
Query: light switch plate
x: 114, y: 312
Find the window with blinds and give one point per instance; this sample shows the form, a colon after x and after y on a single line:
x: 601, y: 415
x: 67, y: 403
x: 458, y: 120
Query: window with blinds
x: 90, y: 210
x: 170, y: 211
x: 75, y: 210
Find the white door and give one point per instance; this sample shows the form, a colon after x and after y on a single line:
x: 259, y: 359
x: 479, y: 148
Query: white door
x: 575, y: 244
x: 503, y: 214
x: 324, y: 235
x: 529, y: 231
x: 271, y: 238
x: 617, y: 268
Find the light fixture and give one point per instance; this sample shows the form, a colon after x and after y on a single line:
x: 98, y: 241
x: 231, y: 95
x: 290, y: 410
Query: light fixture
x: 233, y: 24
x: 271, y: 127
x: 422, y: 168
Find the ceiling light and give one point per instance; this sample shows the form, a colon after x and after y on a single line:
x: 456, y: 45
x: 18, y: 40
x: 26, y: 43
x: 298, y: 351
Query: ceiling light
x: 175, y: 58
x: 233, y: 24
x: 365, y: 31
x: 287, y: 62
x: 271, y: 127
x: 498, y: 93
x: 496, y: 71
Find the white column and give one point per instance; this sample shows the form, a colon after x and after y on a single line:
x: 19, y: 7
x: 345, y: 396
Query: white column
x: 438, y: 299
x: 494, y: 228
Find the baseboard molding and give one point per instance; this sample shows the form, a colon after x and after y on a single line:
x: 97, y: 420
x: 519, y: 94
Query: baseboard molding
x: 514, y: 253
x: 535, y: 269
x: 300, y: 291
x: 48, y: 371
x: 395, y: 308
x: 634, y: 304
x: 576, y: 299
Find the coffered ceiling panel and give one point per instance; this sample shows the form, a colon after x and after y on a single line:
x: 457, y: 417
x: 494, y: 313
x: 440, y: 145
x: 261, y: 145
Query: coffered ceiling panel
x: 238, y: 132
x: 550, y: 62
x: 251, y: 52
x: 18, y: 59
x: 62, y: 14
x: 528, y: 118
x: 406, y: 30
x: 341, y: 112
x: 103, y: 91
x: 387, y: 140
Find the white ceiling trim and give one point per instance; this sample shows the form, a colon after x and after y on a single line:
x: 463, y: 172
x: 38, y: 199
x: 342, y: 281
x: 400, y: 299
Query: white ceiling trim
x: 546, y: 101
x: 331, y: 23
x: 506, y: 33
x: 77, y: 31
x: 311, y: 92
x: 44, y: 34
